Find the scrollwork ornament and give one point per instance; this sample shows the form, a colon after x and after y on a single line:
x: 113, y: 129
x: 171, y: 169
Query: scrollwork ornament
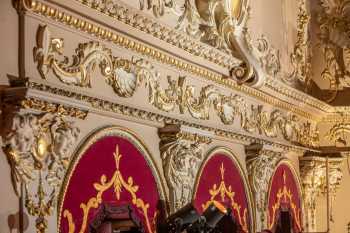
x: 125, y: 76
x: 38, y: 148
x: 301, y: 56
x: 181, y: 157
x: 334, y: 27
x: 157, y: 6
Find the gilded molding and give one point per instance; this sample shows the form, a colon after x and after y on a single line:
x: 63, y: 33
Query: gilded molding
x: 104, y: 34
x: 126, y: 75
x: 54, y: 108
x: 114, y: 107
x: 182, y: 154
x: 118, y: 11
x: 38, y: 148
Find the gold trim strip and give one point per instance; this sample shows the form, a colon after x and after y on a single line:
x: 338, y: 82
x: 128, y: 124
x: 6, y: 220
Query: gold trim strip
x: 50, y: 107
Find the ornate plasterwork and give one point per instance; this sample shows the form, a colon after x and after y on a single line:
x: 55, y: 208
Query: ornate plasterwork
x: 38, y: 148
x: 268, y: 56
x: 339, y: 133
x: 313, y: 174
x: 226, y: 31
x: 95, y: 30
x: 182, y: 154
x: 125, y: 76
x: 261, y: 166
x: 54, y: 108
x: 301, y: 56
x: 102, y: 33
x: 158, y: 7
x: 187, y: 22
x: 156, y: 118
x: 334, y: 24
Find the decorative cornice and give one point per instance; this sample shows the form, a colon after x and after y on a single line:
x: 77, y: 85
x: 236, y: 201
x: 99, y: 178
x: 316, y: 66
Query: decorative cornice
x: 120, y: 40
x: 104, y: 105
x: 54, y: 108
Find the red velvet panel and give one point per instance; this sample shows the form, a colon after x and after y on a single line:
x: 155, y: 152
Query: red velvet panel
x: 284, y: 193
x: 101, y: 175
x: 221, y: 181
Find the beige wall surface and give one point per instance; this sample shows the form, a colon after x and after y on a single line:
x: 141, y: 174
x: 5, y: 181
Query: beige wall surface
x: 9, y: 202
x: 8, y: 41
x: 340, y: 209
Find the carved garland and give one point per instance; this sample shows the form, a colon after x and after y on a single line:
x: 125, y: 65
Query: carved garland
x: 126, y: 75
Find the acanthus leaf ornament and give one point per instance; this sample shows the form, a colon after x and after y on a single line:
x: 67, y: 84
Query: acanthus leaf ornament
x: 301, y: 56
x: 261, y: 165
x: 38, y: 148
x: 334, y: 32
x: 182, y: 154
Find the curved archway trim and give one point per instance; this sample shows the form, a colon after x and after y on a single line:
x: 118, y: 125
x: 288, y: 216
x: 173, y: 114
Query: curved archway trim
x: 106, y: 168
x: 285, y: 192
x: 221, y: 178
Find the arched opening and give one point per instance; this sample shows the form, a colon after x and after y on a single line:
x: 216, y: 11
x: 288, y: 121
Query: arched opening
x: 113, y: 218
x: 284, y: 223
x: 228, y: 224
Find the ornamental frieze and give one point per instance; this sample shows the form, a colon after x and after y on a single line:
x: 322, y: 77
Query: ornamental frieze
x: 125, y: 76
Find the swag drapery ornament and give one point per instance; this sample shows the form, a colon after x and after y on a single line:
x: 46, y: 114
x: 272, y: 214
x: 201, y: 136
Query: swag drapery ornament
x: 38, y: 148
x: 182, y: 154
